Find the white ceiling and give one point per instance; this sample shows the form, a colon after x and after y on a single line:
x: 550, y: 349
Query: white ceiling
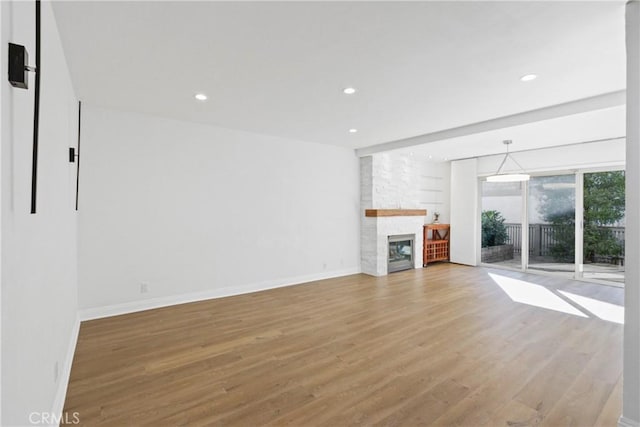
x: 578, y: 128
x: 278, y: 68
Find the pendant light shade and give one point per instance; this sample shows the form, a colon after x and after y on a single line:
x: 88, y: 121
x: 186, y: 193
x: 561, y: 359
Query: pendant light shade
x: 508, y: 177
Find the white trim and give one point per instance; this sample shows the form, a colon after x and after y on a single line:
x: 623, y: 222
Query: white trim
x: 626, y: 422
x: 63, y: 379
x: 148, y: 304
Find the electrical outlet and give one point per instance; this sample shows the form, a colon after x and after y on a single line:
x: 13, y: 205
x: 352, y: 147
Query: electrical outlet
x: 144, y: 287
x: 56, y: 371
x: 324, y: 265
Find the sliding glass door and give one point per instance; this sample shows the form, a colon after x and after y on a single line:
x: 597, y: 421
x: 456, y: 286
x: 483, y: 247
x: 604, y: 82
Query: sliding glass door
x: 604, y: 226
x: 552, y: 229
x: 572, y: 225
x: 502, y: 223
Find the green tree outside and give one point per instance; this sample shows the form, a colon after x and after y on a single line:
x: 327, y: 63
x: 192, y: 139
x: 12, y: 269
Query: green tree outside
x: 604, y: 206
x: 494, y: 232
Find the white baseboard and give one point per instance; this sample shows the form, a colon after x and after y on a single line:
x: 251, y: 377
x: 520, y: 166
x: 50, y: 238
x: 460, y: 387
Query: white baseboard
x: 148, y: 304
x: 626, y: 422
x: 63, y: 378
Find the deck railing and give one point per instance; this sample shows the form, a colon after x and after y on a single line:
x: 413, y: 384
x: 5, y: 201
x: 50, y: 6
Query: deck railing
x: 541, y: 237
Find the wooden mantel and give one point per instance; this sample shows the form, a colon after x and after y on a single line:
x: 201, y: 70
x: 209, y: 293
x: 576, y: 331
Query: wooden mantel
x: 395, y: 212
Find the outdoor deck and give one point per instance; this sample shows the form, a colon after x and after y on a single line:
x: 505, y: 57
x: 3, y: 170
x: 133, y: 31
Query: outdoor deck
x: 608, y: 267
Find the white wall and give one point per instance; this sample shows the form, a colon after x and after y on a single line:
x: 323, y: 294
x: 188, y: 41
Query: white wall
x: 631, y: 355
x: 39, y: 270
x: 464, y: 212
x: 194, y: 209
x: 403, y: 180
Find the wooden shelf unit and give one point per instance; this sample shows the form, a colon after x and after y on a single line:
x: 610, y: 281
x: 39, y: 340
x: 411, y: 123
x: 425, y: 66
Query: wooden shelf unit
x: 436, y: 243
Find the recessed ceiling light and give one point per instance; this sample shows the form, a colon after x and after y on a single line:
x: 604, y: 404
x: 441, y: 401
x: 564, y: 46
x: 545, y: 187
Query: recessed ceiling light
x: 349, y: 90
x: 528, y: 77
x: 353, y: 130
x: 201, y: 97
x: 430, y: 156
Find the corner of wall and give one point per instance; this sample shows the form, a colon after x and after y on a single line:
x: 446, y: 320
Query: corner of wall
x: 39, y: 305
x: 65, y: 376
x: 626, y: 422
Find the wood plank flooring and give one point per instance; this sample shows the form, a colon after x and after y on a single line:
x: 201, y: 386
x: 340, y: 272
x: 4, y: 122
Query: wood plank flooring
x: 442, y: 346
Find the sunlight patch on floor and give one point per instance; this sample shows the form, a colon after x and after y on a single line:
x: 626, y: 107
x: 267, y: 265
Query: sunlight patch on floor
x: 604, y: 310
x: 534, y: 295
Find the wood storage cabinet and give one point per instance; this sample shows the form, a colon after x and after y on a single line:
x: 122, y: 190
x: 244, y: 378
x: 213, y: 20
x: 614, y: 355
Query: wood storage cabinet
x: 436, y: 243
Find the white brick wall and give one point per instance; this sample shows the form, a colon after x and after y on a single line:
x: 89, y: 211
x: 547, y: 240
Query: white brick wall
x: 392, y: 181
x: 366, y: 182
x: 400, y: 180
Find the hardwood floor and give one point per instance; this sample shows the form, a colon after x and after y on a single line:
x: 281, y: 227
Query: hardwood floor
x: 439, y: 346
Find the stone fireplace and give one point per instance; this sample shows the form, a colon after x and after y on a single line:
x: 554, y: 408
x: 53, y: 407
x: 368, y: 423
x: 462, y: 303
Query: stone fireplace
x: 396, y: 189
x: 377, y: 227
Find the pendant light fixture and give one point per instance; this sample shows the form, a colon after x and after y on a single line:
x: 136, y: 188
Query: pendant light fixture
x: 508, y: 177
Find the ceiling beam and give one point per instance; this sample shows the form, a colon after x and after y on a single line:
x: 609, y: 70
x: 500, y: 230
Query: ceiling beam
x: 598, y: 102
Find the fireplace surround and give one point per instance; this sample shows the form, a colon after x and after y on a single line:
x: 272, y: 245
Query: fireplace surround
x: 375, y: 232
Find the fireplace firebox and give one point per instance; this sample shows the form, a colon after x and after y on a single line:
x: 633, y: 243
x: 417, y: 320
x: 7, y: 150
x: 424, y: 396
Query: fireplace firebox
x: 400, y: 253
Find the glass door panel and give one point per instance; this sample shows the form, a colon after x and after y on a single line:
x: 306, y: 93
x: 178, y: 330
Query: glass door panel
x: 551, y: 214
x: 604, y: 226
x: 502, y: 223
